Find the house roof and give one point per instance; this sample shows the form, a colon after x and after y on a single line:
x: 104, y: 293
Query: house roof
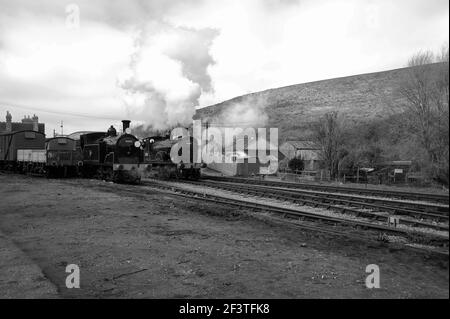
x: 76, y: 135
x: 253, y: 144
x: 304, y: 145
x: 20, y: 131
x: 16, y: 126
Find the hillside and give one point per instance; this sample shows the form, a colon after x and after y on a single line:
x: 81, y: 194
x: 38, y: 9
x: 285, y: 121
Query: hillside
x: 359, y: 98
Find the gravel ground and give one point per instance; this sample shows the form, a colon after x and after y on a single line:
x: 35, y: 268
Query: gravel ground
x: 133, y: 245
x: 20, y: 277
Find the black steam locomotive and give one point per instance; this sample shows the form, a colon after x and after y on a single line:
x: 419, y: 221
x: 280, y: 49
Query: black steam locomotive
x: 110, y: 156
x: 162, y: 164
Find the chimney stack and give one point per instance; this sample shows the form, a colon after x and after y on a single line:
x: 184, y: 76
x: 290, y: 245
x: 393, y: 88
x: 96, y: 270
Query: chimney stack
x: 8, y: 122
x: 35, y: 123
x: 126, y: 124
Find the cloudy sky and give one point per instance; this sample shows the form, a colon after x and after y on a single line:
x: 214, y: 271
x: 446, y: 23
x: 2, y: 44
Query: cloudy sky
x: 92, y: 63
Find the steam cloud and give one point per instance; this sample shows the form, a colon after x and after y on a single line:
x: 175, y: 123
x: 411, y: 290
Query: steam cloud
x: 250, y: 112
x: 167, y: 75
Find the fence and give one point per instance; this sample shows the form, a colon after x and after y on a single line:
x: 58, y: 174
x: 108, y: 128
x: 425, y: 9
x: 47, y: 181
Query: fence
x: 359, y: 177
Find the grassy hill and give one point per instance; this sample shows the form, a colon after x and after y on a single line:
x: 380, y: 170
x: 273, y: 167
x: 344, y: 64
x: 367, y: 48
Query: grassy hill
x: 359, y: 98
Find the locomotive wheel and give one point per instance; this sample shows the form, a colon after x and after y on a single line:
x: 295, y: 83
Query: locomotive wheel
x: 49, y: 172
x: 88, y: 172
x: 116, y: 177
x: 108, y: 174
x: 163, y: 173
x: 162, y: 156
x: 98, y: 173
x: 196, y: 174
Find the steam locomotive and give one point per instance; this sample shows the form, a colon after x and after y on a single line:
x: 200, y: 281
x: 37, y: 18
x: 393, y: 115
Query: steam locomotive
x: 162, y: 164
x: 110, y: 156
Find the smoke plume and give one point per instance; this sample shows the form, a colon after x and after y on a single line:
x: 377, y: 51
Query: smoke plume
x: 167, y: 75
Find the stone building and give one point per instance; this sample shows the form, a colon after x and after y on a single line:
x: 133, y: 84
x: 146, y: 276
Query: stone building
x: 27, y: 123
x: 308, y: 151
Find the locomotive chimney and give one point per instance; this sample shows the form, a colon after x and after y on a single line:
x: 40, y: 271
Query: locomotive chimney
x: 126, y: 124
x: 8, y: 122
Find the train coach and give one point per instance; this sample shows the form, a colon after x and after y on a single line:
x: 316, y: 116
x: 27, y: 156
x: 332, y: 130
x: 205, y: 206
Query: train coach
x: 23, y: 151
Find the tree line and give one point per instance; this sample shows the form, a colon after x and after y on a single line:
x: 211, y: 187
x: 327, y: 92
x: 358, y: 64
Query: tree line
x: 420, y: 131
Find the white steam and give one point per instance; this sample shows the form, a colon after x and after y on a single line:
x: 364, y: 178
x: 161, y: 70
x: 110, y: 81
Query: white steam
x: 250, y: 112
x: 167, y: 75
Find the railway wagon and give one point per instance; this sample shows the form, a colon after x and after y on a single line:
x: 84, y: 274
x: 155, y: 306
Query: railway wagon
x: 23, y: 151
x: 63, y: 158
x: 110, y: 156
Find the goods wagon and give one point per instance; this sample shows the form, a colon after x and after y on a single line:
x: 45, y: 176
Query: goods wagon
x: 22, y: 151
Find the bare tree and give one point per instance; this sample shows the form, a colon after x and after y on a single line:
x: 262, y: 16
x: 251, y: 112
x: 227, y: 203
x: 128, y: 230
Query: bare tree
x: 328, y: 134
x: 427, y: 93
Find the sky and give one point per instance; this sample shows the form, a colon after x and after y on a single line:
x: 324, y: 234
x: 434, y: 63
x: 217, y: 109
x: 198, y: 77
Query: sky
x: 92, y: 63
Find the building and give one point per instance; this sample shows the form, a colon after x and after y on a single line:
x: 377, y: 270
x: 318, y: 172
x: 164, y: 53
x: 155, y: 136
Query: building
x: 246, y: 162
x: 308, y: 151
x: 27, y: 124
x: 393, y: 172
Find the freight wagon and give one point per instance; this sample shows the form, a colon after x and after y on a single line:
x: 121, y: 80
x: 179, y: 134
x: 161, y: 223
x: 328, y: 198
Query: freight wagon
x: 23, y: 151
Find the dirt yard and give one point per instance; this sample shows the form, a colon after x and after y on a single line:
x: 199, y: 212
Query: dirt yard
x: 155, y: 245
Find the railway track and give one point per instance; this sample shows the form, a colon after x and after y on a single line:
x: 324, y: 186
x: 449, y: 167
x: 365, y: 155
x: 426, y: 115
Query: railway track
x: 432, y: 198
x: 378, y: 211
x: 308, y: 220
